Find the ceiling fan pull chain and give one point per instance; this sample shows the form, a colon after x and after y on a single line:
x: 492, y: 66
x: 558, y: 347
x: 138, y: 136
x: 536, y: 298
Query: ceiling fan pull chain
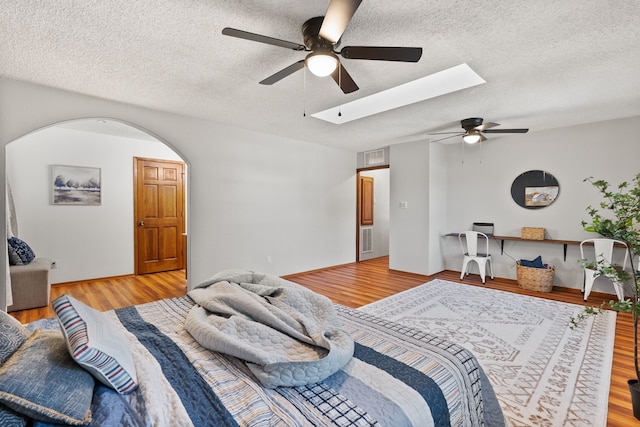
x: 304, y: 91
x: 340, y: 85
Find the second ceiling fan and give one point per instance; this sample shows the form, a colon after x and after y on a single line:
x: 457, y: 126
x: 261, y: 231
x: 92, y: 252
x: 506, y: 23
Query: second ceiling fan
x: 474, y: 130
x: 321, y: 37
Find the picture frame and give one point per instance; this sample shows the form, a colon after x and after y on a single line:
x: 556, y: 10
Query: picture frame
x: 540, y: 196
x: 76, y: 185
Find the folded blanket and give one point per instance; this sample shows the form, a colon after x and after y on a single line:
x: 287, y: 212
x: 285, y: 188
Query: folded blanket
x: 287, y: 334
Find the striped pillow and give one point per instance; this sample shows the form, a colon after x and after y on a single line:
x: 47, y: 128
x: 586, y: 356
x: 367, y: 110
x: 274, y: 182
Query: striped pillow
x: 96, y: 343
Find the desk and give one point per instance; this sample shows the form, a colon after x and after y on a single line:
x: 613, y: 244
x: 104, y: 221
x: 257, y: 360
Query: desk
x: 502, y: 239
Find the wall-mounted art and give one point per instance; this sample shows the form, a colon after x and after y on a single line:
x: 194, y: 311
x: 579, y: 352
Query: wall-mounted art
x: 535, y: 189
x: 75, y: 185
x: 540, y: 196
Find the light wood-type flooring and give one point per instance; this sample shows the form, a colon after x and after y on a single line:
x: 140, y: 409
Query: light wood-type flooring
x: 352, y: 285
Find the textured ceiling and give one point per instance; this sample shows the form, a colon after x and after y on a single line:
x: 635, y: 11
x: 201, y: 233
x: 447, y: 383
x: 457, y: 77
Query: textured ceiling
x: 547, y: 63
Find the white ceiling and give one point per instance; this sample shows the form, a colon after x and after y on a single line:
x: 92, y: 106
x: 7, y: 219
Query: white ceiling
x: 547, y: 63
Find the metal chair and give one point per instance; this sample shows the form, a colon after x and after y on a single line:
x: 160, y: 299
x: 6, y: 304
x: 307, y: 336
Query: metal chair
x: 470, y: 251
x: 603, y: 254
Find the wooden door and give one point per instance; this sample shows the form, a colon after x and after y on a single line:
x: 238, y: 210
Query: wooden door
x: 159, y: 215
x: 366, y: 200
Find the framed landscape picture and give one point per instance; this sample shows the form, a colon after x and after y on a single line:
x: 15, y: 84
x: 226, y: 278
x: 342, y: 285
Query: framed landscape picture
x: 75, y: 185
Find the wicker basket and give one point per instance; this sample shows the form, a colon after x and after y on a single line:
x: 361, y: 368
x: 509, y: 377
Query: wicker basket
x: 535, y: 279
x: 532, y: 233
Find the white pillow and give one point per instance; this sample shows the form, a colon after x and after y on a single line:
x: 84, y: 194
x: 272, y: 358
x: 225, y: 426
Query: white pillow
x: 96, y: 343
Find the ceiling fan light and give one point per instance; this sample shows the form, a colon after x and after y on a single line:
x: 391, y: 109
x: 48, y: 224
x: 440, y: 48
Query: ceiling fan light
x: 322, y: 63
x: 471, y: 137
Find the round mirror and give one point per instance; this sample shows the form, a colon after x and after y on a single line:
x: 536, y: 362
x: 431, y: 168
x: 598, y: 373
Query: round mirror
x: 535, y: 189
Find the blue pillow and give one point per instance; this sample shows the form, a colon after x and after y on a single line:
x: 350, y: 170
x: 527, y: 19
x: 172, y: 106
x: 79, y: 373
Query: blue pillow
x: 9, y: 418
x: 536, y: 263
x: 19, y: 252
x: 12, y: 335
x: 41, y: 381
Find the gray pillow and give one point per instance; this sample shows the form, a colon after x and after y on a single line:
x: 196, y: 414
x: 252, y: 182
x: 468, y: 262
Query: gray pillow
x: 12, y: 335
x: 41, y: 381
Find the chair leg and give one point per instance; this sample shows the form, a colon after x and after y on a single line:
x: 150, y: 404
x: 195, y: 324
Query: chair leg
x: 482, y: 267
x: 619, y: 290
x: 465, y: 267
x: 589, y: 278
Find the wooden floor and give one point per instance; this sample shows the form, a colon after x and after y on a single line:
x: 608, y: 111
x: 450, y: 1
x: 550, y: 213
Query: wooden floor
x: 115, y: 292
x: 353, y: 285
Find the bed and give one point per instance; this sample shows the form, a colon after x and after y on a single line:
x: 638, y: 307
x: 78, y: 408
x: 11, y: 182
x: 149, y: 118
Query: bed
x: 140, y: 365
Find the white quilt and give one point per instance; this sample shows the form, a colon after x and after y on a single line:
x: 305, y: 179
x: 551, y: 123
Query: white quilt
x: 287, y: 335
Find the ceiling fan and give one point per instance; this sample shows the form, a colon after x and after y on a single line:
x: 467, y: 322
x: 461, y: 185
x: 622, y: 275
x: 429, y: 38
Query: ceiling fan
x: 474, y: 128
x: 321, y: 37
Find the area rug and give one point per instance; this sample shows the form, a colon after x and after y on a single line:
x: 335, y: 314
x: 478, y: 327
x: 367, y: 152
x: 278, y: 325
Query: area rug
x: 543, y: 372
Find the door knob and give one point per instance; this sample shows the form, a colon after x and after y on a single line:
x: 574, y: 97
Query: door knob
x: 141, y: 223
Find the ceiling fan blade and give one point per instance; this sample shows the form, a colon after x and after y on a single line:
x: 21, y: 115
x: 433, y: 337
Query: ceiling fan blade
x: 262, y: 39
x: 487, y: 125
x: 378, y: 53
x: 506, y: 131
x: 445, y: 133
x: 337, y: 18
x: 448, y: 137
x: 344, y: 80
x: 283, y: 73
x: 482, y: 138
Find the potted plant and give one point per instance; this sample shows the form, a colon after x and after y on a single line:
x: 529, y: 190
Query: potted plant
x: 618, y: 217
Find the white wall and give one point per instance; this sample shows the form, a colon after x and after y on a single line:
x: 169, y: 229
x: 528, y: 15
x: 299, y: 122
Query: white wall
x: 418, y: 178
x: 409, y: 227
x: 85, y: 241
x: 380, y: 213
x: 438, y: 208
x: 251, y: 195
x: 479, y: 189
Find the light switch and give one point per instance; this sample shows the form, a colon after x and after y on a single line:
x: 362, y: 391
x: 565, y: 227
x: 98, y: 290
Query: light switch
x: 403, y: 205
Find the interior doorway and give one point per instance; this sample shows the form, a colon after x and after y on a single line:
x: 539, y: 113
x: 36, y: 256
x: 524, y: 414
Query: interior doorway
x: 372, y: 213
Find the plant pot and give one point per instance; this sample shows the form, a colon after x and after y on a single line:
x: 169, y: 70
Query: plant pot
x: 634, y: 389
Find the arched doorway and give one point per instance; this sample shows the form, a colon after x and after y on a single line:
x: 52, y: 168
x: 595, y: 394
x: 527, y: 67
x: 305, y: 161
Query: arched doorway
x: 86, y: 241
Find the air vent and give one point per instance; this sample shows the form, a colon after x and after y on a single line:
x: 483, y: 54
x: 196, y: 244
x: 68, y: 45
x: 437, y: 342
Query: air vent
x: 372, y: 158
x: 366, y: 240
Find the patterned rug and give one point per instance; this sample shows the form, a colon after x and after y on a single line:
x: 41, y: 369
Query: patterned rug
x: 543, y: 372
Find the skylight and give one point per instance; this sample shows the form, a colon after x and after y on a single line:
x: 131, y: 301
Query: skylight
x: 447, y: 81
